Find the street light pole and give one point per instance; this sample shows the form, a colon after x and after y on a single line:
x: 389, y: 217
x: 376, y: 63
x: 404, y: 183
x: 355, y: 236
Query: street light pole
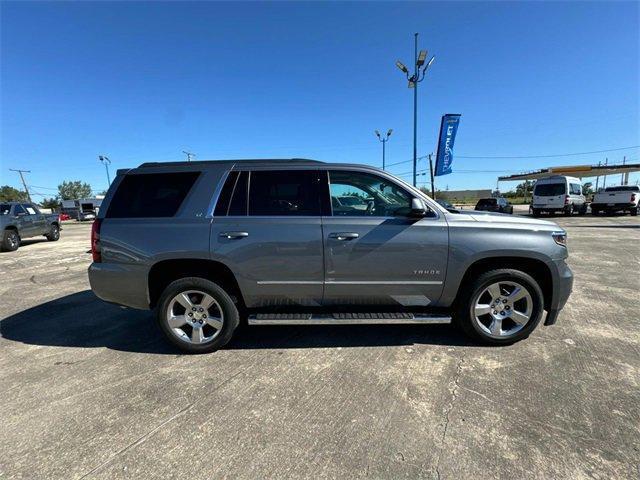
x: 106, y: 162
x: 384, y: 139
x: 419, y: 72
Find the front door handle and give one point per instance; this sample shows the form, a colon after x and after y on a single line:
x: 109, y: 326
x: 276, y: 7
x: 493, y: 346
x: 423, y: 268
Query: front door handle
x: 234, y: 235
x: 343, y: 236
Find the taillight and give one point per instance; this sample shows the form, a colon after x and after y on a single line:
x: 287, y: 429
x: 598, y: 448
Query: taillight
x: 566, y: 199
x: 633, y: 197
x: 95, y: 240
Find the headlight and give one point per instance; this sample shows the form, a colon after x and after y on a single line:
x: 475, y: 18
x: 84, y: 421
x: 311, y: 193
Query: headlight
x: 560, y: 238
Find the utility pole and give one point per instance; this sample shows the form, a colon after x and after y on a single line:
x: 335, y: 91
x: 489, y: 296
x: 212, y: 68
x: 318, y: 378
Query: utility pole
x: 419, y: 72
x: 604, y: 182
x: 383, y: 139
x: 189, y: 155
x: 598, y: 178
x: 106, y: 162
x: 24, y: 184
x: 433, y: 187
x: 624, y: 160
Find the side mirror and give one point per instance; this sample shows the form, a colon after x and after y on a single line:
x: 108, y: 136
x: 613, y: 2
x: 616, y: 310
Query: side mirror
x: 418, y: 208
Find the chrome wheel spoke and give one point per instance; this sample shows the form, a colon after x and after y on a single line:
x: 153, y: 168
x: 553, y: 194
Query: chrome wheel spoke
x: 519, y: 317
x: 207, y: 301
x: 197, y: 335
x: 518, y: 294
x: 214, y: 322
x: 176, y: 321
x: 482, y: 309
x: 494, y: 290
x: 496, y: 326
x: 184, y: 300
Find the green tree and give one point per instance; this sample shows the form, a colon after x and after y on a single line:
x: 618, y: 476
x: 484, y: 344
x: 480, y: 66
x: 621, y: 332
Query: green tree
x: 52, y: 203
x: 587, y: 188
x: 10, y: 194
x: 73, y: 190
x: 524, y: 189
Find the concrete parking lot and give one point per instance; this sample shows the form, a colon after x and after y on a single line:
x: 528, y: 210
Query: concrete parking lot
x: 92, y: 390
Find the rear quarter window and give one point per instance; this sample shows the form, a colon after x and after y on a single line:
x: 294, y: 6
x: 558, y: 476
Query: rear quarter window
x: 151, y: 195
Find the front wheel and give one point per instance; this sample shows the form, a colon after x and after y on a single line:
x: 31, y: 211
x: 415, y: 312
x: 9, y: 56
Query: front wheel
x: 54, y: 233
x: 501, y: 307
x: 536, y: 212
x: 197, y: 315
x: 10, y: 241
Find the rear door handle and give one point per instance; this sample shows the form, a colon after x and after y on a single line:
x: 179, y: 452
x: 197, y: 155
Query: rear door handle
x: 343, y: 236
x: 233, y: 235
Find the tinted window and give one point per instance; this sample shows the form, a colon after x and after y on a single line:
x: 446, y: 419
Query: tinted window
x: 151, y: 195
x: 486, y: 202
x: 549, y: 189
x: 18, y: 210
x: 284, y: 192
x: 29, y: 208
x: 225, y: 194
x: 626, y: 188
x: 5, y: 208
x: 239, y: 200
x: 355, y: 194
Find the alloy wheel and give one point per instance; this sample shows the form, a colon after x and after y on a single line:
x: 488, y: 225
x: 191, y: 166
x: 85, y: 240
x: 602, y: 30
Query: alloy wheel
x: 502, y: 309
x: 194, y: 317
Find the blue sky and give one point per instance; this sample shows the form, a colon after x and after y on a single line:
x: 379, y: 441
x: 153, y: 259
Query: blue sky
x: 144, y: 81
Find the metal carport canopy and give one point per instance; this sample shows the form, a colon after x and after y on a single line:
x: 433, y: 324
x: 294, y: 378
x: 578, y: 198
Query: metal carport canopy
x: 578, y: 171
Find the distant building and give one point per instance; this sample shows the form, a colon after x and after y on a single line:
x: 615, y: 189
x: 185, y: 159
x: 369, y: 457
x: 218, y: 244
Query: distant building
x: 463, y: 196
x: 82, y: 207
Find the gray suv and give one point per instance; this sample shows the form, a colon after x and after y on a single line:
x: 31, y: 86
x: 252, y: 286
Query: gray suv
x: 207, y: 245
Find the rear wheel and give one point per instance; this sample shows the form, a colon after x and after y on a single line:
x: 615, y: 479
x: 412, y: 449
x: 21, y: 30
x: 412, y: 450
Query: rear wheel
x: 595, y: 211
x: 568, y: 211
x: 634, y: 211
x: 54, y: 233
x: 501, y: 307
x: 10, y: 241
x: 197, y: 315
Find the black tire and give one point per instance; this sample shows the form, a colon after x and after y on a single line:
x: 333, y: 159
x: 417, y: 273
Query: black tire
x: 465, y: 319
x: 595, y: 211
x: 227, y: 307
x: 54, y: 233
x: 511, y: 211
x: 10, y: 240
x: 569, y: 210
x: 582, y: 210
x: 634, y: 211
x: 536, y: 212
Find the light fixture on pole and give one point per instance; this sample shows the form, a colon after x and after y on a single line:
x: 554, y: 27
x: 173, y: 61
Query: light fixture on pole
x: 384, y: 139
x: 419, y: 73
x: 106, y: 162
x: 189, y: 155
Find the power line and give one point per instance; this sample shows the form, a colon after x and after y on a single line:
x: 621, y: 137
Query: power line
x: 551, y: 156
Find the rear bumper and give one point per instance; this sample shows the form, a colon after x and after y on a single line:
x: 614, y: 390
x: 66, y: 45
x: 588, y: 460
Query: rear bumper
x: 562, y: 287
x: 122, y: 284
x: 615, y: 206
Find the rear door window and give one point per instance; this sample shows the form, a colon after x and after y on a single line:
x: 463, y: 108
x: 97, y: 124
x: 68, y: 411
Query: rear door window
x: 222, y: 206
x: 550, y: 189
x: 284, y: 193
x: 151, y: 195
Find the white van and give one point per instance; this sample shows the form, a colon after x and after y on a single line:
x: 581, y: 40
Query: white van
x: 558, y: 194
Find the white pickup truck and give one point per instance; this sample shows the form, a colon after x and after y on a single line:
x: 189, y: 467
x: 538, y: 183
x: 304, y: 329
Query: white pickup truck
x: 617, y: 199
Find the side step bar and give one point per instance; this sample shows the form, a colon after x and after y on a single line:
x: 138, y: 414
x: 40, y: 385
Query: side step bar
x: 346, y: 319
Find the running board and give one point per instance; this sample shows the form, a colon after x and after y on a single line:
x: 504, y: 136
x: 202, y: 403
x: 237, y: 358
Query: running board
x: 346, y: 319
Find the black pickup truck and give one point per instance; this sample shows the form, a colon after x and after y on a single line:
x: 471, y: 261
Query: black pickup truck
x: 24, y: 220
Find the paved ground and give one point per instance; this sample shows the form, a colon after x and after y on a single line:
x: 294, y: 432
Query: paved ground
x: 91, y: 390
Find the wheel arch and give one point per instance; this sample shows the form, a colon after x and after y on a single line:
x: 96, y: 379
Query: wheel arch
x: 536, y: 268
x: 164, y: 272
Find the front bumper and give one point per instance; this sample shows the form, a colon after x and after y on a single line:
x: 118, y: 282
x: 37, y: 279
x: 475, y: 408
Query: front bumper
x: 562, y: 287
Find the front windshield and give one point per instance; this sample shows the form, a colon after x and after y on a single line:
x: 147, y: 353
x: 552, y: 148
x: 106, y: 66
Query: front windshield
x: 5, y: 208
